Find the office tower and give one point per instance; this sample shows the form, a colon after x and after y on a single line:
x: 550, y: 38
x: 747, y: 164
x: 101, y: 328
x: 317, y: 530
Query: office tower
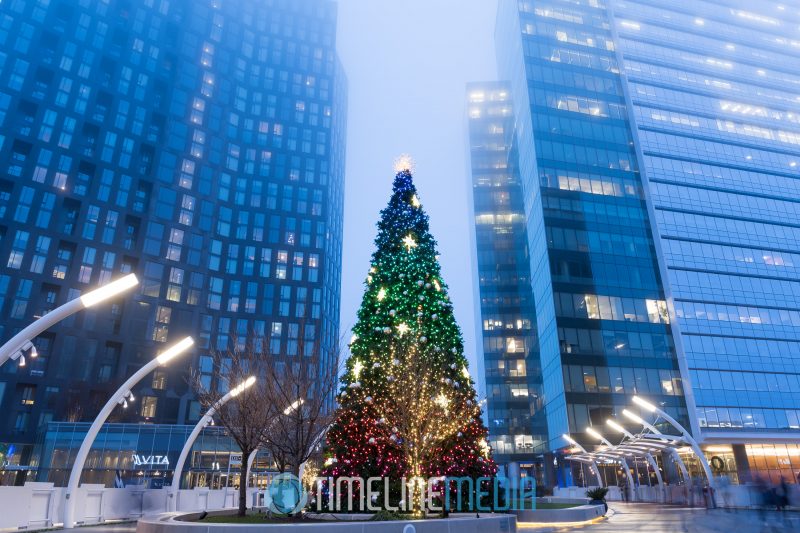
x: 505, y: 317
x: 197, y: 144
x: 713, y: 94
x: 658, y: 169
x: 603, y: 326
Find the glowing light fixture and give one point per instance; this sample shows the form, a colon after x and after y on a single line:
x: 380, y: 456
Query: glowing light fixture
x: 176, y: 349
x: 109, y: 291
x: 594, y: 434
x: 242, y: 386
x: 644, y: 404
x: 295, y: 404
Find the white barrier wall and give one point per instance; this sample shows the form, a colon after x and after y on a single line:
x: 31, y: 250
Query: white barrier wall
x: 38, y: 505
x: 742, y: 496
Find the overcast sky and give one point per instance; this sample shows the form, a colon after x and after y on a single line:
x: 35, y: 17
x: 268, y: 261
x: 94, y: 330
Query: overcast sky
x: 407, y: 64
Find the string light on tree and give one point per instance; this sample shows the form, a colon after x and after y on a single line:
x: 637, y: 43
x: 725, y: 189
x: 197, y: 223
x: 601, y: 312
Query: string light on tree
x: 404, y: 163
x: 409, y: 242
x: 407, y: 404
x: 358, y: 366
x: 442, y: 401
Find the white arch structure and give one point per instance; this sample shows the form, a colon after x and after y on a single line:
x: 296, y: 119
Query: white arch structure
x: 22, y: 341
x: 645, y: 444
x: 118, y: 397
x: 687, y: 437
x: 649, y: 456
x: 589, y: 462
x: 207, y: 419
x: 610, y: 449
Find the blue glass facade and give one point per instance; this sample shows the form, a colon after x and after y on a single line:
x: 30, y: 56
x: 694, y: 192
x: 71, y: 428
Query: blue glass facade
x: 144, y: 455
x: 659, y: 168
x: 604, y: 328
x: 197, y: 144
x: 506, y: 320
x: 713, y: 94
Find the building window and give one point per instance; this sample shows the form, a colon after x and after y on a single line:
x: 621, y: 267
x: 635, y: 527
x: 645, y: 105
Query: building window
x: 21, y: 422
x: 159, y: 380
x: 28, y: 393
x: 149, y: 404
x: 161, y: 329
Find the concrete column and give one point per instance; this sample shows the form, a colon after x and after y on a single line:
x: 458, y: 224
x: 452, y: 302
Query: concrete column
x: 550, y: 479
x: 742, y: 463
x: 673, y: 477
x: 513, y: 475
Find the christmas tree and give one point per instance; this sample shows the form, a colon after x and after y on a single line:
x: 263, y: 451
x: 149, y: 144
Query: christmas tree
x: 407, y: 406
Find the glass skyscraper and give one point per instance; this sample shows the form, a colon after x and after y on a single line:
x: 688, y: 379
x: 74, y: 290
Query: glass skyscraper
x: 713, y: 94
x: 658, y: 161
x: 199, y: 144
x: 506, y: 316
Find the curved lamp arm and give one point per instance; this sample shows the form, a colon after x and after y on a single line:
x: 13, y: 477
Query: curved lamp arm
x: 201, y: 424
x: 644, y: 404
x: 21, y: 339
x: 94, y: 429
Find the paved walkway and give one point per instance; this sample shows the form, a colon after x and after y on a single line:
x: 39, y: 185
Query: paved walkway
x: 126, y: 527
x: 644, y: 517
x: 651, y: 518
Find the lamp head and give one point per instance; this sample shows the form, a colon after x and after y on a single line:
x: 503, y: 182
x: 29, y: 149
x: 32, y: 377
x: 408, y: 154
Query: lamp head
x: 633, y: 416
x: 242, y: 386
x: 644, y: 404
x: 297, y: 403
x: 109, y: 290
x: 594, y: 433
x: 615, y: 426
x: 175, y: 350
x: 569, y: 439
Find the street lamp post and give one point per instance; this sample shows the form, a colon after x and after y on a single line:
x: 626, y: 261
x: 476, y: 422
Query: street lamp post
x: 21, y: 342
x: 117, y: 398
x: 650, y: 459
x: 252, y: 457
x: 644, y: 404
x: 201, y: 424
x: 622, y: 459
x: 656, y: 433
x: 582, y: 449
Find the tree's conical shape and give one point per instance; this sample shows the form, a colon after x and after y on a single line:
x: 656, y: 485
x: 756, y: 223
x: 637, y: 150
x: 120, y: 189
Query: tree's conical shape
x: 406, y: 316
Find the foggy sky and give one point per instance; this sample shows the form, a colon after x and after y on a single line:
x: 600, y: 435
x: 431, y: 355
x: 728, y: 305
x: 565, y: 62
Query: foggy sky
x: 407, y: 63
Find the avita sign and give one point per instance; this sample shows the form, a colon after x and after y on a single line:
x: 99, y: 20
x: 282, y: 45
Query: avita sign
x: 150, y: 460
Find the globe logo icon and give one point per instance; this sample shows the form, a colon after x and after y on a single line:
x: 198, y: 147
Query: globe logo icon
x: 286, y: 494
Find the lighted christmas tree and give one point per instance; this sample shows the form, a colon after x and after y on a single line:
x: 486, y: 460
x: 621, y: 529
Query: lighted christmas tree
x: 407, y: 404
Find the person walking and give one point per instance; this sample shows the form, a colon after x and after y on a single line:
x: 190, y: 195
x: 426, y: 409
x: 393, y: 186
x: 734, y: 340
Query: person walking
x: 623, y: 489
x: 724, y: 484
x: 782, y: 495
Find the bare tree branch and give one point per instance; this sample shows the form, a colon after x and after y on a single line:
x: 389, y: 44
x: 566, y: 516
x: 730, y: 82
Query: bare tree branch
x: 246, y: 416
x: 302, y: 387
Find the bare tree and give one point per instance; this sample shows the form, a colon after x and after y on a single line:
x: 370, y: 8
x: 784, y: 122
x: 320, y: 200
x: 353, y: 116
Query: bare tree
x: 247, y: 415
x: 426, y: 411
x: 302, y: 386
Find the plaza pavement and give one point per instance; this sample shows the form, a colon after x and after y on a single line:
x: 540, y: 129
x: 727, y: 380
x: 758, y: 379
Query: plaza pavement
x: 652, y: 518
x: 636, y: 517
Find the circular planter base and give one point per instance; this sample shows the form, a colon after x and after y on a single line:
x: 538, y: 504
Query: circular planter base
x: 338, y: 523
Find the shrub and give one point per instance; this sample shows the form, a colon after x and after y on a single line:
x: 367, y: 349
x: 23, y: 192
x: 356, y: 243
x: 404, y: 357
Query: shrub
x: 597, y: 494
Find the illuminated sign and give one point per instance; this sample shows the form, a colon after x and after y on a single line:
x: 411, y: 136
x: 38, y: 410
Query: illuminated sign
x: 150, y: 460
